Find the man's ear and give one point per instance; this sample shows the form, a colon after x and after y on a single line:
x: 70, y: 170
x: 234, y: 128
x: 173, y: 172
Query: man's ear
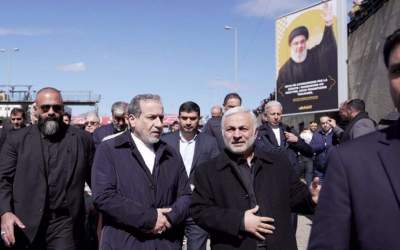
x: 131, y: 119
x: 34, y: 107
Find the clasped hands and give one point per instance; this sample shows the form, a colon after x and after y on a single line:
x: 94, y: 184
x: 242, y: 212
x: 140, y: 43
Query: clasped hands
x: 162, y: 222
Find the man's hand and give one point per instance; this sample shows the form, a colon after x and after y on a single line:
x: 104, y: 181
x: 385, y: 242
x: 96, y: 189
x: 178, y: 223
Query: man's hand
x: 257, y: 225
x: 162, y: 222
x: 327, y: 14
x: 315, y: 189
x: 332, y: 122
x: 291, y: 138
x: 8, y: 220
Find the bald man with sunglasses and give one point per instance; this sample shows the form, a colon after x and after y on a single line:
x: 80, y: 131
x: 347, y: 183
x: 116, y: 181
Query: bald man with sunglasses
x: 43, y: 169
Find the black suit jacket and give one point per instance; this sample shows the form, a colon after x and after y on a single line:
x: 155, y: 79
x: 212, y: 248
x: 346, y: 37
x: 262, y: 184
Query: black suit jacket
x: 100, y: 133
x: 220, y: 199
x: 23, y: 184
x: 213, y: 128
x: 205, y: 149
x: 359, y: 206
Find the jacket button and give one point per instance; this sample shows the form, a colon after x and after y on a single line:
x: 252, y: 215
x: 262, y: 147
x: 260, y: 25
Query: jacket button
x: 246, y: 196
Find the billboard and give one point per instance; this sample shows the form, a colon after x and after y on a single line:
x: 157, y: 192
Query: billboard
x: 307, y: 60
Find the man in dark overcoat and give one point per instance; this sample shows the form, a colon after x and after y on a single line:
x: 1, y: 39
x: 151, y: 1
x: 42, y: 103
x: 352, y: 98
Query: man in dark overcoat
x: 360, y: 202
x: 140, y: 184
x: 244, y: 197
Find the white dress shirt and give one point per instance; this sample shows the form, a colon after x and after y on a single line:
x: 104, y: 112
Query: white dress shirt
x: 147, y: 152
x: 186, y: 149
x: 277, y: 132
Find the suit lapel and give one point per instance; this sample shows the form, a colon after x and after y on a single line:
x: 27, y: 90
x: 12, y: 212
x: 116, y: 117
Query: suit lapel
x: 197, y: 151
x: 389, y: 155
x: 272, y: 137
x: 70, y: 155
x: 264, y: 180
x: 37, y: 147
x: 177, y: 141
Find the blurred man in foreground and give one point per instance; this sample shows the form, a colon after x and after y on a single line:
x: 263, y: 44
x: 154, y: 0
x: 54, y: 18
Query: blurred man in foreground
x: 359, y: 204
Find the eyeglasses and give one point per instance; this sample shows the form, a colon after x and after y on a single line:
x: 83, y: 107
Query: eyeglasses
x: 56, y: 108
x: 91, y: 123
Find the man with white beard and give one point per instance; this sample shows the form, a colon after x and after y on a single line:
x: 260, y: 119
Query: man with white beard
x: 244, y: 196
x: 309, y: 64
x: 43, y: 169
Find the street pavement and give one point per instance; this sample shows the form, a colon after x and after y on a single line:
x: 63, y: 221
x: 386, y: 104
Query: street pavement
x: 303, y: 232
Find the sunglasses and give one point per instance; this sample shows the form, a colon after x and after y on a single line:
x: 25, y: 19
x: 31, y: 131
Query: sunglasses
x: 91, y: 123
x: 56, y: 108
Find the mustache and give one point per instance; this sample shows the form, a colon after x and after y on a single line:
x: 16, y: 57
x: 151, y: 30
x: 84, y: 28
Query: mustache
x: 238, y: 141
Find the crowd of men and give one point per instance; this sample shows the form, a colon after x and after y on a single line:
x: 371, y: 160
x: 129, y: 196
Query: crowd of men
x: 237, y: 182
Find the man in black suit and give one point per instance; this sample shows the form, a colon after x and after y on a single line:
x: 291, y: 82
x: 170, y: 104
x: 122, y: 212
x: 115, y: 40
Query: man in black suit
x: 17, y: 121
x: 195, y: 148
x: 244, y: 196
x: 273, y: 135
x: 360, y: 202
x: 213, y: 125
x: 118, y: 123
x: 43, y: 169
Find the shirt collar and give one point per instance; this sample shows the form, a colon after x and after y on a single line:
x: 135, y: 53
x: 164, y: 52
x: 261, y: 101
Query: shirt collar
x: 326, y: 133
x: 186, y: 141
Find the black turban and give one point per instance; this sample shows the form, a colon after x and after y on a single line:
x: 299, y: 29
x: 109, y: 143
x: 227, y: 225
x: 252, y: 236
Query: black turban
x: 302, y: 30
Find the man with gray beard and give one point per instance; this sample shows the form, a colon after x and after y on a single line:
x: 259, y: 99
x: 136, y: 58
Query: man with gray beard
x: 42, y: 175
x: 244, y: 196
x: 140, y: 184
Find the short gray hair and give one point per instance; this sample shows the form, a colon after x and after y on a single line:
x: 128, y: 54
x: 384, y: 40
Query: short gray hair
x: 92, y: 115
x: 272, y: 103
x: 236, y: 110
x: 119, y: 108
x: 134, y: 105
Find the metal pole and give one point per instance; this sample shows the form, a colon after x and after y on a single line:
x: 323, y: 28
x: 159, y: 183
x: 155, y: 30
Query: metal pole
x: 9, y: 70
x: 236, y: 57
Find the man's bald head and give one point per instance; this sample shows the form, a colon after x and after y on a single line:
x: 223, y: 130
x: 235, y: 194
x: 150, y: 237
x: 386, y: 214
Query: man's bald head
x: 49, y: 108
x: 48, y: 91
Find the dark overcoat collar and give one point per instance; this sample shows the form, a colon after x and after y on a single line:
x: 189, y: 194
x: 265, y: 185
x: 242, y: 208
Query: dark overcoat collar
x: 226, y: 158
x: 389, y: 155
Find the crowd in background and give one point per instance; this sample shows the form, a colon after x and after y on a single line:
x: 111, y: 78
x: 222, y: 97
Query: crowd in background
x: 236, y: 182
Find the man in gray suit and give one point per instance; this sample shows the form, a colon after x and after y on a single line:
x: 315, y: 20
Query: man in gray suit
x: 195, y: 148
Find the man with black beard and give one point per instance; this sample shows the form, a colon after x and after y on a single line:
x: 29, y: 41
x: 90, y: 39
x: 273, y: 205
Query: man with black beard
x: 42, y: 175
